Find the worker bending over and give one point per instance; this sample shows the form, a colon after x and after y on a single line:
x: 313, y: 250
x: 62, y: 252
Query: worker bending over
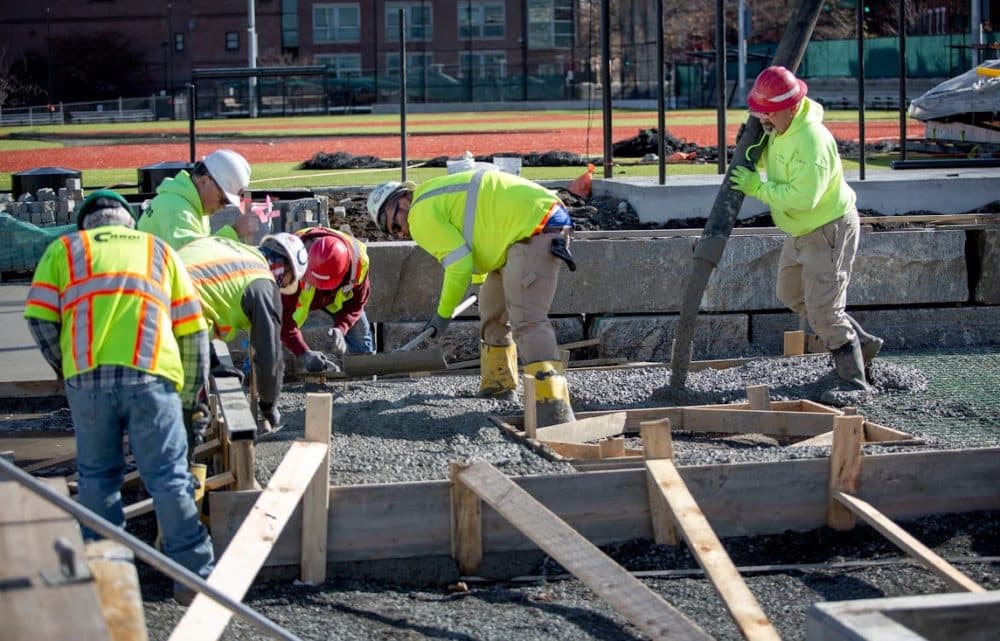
x: 812, y: 203
x: 114, y: 313
x: 240, y: 288
x: 517, y: 233
x: 179, y: 212
x: 336, y: 281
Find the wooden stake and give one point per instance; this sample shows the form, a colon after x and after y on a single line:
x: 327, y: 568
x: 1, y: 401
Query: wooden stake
x: 466, y: 523
x: 795, y: 343
x: 759, y: 397
x: 530, y: 411
x: 612, y: 447
x: 845, y: 468
x: 316, y: 500
x: 658, y: 444
x: 117, y: 582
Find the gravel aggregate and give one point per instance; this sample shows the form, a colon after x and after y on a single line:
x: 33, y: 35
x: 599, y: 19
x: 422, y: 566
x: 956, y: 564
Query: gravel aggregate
x: 408, y: 430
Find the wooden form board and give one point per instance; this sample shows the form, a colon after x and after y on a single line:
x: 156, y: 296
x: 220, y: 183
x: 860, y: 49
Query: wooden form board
x: 642, y: 607
x: 235, y: 571
x: 402, y: 520
x: 29, y: 526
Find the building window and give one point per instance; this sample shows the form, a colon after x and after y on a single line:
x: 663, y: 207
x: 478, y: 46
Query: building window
x: 232, y: 41
x: 417, y: 18
x: 337, y: 22
x: 550, y: 24
x: 483, y: 64
x: 480, y: 20
x: 178, y: 41
x: 416, y: 63
x: 342, y: 65
x: 289, y: 24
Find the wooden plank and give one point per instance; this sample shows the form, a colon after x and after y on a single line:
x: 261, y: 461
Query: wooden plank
x: 138, y: 508
x: 466, y: 523
x: 590, y: 342
x: 845, y: 469
x: 316, y: 501
x: 249, y: 548
x: 759, y: 397
x: 219, y: 481
x: 699, y: 419
x: 908, y: 543
x: 29, y: 526
x: 875, y: 432
x: 402, y: 520
x: 794, y: 343
x: 658, y: 444
x: 587, y: 429
x: 117, y: 583
x: 612, y: 447
x: 241, y: 464
x: 530, y: 408
x: 583, y: 451
x: 805, y: 405
x: 820, y: 440
x: 52, y: 462
x: 711, y: 556
x: 642, y: 607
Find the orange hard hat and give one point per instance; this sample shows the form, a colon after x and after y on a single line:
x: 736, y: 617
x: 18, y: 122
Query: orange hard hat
x: 329, y: 263
x: 776, y: 88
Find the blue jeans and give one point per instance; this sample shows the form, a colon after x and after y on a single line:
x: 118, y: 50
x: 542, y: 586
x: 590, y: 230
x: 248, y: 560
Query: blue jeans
x: 151, y: 415
x: 359, y: 337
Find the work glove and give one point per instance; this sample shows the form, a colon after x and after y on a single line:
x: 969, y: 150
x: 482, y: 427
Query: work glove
x: 270, y: 413
x: 196, y: 421
x: 439, y: 324
x: 339, y: 342
x: 315, y: 361
x: 745, y: 180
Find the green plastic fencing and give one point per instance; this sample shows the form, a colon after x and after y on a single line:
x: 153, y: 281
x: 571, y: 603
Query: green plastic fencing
x: 22, y: 244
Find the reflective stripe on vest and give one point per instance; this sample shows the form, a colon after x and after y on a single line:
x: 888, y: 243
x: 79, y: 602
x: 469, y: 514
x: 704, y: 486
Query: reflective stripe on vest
x: 468, y: 217
x: 83, y: 288
x: 220, y: 272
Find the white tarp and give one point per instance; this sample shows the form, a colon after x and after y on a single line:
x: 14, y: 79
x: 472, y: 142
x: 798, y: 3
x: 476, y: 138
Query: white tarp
x: 968, y: 93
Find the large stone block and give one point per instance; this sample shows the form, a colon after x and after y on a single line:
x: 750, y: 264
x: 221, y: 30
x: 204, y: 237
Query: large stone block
x: 910, y: 267
x: 988, y: 287
x: 650, y: 338
x: 745, y: 277
x: 406, y: 282
x: 933, y: 327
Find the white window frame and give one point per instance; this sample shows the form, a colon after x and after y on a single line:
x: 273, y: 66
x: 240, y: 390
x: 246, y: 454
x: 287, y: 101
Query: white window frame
x: 480, y: 20
x: 542, y: 25
x: 337, y: 31
x: 423, y: 32
x: 483, y: 64
x: 344, y: 65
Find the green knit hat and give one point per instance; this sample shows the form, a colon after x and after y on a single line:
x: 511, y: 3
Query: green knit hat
x: 102, y: 199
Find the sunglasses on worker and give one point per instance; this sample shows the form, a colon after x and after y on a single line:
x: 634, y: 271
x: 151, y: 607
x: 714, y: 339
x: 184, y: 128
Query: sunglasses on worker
x: 391, y: 225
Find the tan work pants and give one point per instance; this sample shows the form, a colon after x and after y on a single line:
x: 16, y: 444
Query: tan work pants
x: 516, y: 299
x: 813, y: 273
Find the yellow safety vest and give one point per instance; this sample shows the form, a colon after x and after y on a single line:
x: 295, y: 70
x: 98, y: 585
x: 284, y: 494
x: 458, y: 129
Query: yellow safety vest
x: 121, y: 297
x: 359, y: 272
x: 221, y: 269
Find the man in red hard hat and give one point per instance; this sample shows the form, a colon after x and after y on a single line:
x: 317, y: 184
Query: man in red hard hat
x: 336, y: 282
x: 813, y: 204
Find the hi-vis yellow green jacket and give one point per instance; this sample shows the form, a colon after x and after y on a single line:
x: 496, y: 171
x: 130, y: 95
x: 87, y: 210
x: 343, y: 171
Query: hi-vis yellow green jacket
x: 176, y: 214
x: 805, y: 186
x: 221, y: 269
x: 468, y: 220
x: 120, y: 296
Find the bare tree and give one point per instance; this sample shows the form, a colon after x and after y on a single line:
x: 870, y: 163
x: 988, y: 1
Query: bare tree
x: 12, y: 88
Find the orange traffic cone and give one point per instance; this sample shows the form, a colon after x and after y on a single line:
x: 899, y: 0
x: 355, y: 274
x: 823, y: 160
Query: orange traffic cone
x: 580, y: 187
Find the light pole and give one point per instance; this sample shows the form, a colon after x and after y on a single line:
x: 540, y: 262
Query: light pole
x: 48, y: 46
x: 170, y: 47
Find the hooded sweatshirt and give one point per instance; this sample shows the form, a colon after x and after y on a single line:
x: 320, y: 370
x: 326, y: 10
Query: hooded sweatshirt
x: 805, y: 186
x: 176, y: 214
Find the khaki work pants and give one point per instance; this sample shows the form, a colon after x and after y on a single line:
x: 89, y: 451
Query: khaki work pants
x: 813, y: 273
x: 515, y: 300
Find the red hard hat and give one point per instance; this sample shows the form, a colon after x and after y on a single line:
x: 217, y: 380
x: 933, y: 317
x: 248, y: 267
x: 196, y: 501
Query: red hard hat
x: 329, y: 263
x: 776, y: 88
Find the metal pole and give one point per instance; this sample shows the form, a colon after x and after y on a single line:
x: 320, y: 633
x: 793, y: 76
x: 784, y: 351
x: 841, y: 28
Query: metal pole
x: 976, y: 18
x: 861, y: 89
x: 606, y: 82
x: 192, y: 110
x: 661, y: 119
x: 252, y: 52
x: 402, y: 94
x: 167, y: 566
x: 524, y: 50
x: 720, y: 80
x: 902, y: 80
x: 742, y: 64
x: 170, y: 49
x: 48, y: 44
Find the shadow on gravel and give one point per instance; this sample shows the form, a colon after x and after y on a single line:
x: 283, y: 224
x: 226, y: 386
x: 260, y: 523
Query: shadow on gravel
x: 839, y: 587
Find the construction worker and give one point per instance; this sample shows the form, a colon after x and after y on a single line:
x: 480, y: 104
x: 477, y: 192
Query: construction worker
x: 812, y: 203
x: 336, y: 281
x: 516, y: 232
x: 240, y: 288
x: 114, y: 313
x: 179, y: 212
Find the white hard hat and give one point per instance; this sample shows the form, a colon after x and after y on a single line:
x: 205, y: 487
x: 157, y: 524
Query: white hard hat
x: 291, y: 247
x: 378, y: 197
x: 230, y: 171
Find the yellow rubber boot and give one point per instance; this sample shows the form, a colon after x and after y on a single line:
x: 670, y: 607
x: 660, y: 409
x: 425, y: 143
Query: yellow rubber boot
x: 200, y: 472
x: 498, y: 369
x: 551, y: 393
